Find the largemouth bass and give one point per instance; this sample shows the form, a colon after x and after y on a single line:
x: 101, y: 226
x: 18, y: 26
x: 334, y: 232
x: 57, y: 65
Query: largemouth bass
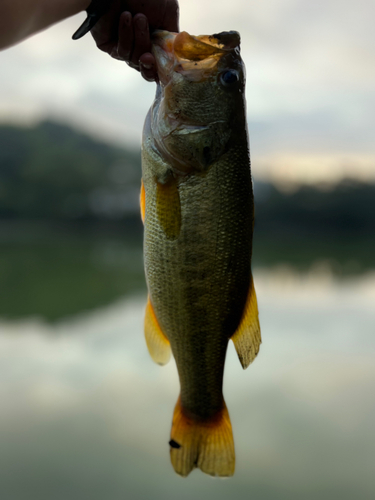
x: 198, y: 211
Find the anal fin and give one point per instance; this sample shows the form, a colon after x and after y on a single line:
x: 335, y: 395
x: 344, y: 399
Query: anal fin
x: 157, y: 343
x: 247, y: 338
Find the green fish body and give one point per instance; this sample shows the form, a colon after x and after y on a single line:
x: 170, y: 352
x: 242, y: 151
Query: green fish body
x: 198, y: 210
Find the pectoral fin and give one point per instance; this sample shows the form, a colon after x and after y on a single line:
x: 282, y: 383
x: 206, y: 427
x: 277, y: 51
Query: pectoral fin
x: 168, y: 208
x: 247, y: 338
x: 157, y: 343
x: 143, y: 202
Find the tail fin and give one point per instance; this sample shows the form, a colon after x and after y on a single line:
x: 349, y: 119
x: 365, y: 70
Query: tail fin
x: 207, y: 444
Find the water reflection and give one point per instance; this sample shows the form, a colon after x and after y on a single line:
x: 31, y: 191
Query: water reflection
x: 86, y: 413
x: 57, y: 272
x: 54, y: 272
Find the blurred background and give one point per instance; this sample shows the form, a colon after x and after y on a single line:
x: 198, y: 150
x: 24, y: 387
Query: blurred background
x: 84, y: 411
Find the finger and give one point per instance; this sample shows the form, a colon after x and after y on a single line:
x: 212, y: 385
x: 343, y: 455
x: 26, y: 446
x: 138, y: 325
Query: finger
x: 125, y: 36
x: 171, y: 16
x: 147, y: 65
x: 142, y: 41
x: 105, y: 31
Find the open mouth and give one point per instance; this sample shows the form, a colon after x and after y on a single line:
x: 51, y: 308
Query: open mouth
x: 194, y: 56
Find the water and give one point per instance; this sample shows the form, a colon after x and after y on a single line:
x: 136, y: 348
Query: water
x: 85, y: 413
x: 59, y: 272
x: 55, y: 272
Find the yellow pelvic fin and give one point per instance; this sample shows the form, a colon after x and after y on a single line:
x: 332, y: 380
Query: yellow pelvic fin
x: 157, y: 343
x: 247, y: 338
x: 207, y: 444
x: 143, y: 202
x: 168, y: 208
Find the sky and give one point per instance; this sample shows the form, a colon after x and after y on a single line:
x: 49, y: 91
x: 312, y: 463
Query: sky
x: 310, y: 84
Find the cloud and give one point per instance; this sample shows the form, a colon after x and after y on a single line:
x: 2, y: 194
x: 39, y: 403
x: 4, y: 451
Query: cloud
x: 310, y: 78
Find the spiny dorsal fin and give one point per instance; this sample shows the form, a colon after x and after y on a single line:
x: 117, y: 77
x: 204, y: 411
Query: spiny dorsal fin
x: 247, y: 338
x: 157, y: 343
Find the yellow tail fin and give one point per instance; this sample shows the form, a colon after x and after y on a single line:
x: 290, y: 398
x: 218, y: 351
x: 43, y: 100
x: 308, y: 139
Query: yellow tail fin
x: 207, y: 444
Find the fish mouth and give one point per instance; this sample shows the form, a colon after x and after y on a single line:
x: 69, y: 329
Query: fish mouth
x: 196, y: 57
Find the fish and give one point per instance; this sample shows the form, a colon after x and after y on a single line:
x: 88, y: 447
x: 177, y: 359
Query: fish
x: 197, y: 207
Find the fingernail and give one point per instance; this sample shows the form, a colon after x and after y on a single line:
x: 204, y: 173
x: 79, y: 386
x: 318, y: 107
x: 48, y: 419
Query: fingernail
x: 126, y: 19
x: 142, y: 23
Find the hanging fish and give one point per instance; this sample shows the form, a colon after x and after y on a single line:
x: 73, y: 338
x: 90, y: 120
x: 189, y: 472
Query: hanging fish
x: 198, y: 213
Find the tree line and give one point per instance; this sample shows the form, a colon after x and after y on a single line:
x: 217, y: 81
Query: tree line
x: 53, y: 172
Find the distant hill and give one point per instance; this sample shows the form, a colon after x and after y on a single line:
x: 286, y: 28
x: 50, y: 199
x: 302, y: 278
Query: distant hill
x: 52, y: 172
x: 346, y: 208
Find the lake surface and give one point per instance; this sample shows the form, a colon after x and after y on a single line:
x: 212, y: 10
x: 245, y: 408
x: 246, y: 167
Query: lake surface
x: 55, y: 272
x: 85, y: 412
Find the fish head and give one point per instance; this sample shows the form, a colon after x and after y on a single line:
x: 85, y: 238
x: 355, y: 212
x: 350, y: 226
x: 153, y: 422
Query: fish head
x: 200, y: 105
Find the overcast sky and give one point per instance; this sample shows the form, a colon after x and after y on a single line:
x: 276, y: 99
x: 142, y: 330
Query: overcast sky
x: 310, y: 83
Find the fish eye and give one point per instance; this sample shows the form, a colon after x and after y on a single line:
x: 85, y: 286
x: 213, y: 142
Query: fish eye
x: 229, y: 77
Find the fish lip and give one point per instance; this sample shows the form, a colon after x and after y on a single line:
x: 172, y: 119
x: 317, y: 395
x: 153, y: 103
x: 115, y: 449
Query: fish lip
x: 162, y: 50
x: 195, y: 57
x: 221, y: 42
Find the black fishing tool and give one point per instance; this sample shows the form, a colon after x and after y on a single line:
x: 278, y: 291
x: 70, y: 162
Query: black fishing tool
x: 94, y: 12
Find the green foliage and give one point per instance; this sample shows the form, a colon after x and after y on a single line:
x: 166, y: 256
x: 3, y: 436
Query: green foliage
x: 346, y: 208
x: 51, y: 171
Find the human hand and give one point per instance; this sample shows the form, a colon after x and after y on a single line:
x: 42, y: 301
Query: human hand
x: 124, y: 31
